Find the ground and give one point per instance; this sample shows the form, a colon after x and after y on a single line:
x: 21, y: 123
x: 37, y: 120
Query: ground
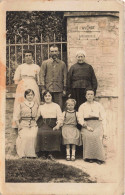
x: 105, y: 173
x: 43, y: 171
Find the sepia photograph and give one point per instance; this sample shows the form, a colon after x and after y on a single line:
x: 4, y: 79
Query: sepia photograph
x: 63, y: 121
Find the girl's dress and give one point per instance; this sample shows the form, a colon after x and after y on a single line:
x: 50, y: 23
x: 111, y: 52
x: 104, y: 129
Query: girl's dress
x: 47, y: 139
x: 70, y: 133
x: 26, y: 140
x: 94, y: 115
x: 27, y: 77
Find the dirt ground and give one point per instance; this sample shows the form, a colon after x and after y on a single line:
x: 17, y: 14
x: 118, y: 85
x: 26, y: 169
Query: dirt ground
x: 105, y: 173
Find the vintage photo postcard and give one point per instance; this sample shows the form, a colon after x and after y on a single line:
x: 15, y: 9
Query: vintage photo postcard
x: 61, y: 97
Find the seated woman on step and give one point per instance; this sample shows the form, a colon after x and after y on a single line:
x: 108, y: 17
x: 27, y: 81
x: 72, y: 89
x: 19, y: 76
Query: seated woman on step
x: 49, y: 132
x: 25, y: 118
x: 91, y: 116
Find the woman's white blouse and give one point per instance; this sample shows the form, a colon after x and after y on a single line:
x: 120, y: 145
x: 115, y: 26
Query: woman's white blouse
x: 51, y: 110
x: 94, y: 109
x: 25, y: 70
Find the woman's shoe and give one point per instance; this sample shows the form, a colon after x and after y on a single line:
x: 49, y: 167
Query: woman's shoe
x: 50, y: 157
x: 43, y: 157
x: 68, y: 157
x: 73, y: 158
x: 89, y: 160
x: 99, y: 162
x: 24, y: 157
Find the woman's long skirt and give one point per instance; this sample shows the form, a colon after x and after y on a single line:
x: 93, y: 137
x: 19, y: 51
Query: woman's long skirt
x: 92, y: 141
x: 26, y: 142
x: 47, y: 139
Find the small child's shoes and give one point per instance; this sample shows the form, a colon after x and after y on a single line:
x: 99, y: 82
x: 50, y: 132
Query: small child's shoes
x: 73, y: 158
x: 68, y: 157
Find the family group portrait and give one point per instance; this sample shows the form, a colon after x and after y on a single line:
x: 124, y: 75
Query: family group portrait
x: 61, y: 114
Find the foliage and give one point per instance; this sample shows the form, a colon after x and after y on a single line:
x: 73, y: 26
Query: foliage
x: 37, y: 170
x: 32, y: 27
x: 34, y: 24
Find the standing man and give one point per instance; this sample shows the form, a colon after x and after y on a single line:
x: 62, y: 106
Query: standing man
x: 80, y: 77
x: 53, y: 75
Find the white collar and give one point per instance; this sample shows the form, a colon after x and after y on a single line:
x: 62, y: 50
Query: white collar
x: 29, y: 104
x: 70, y: 111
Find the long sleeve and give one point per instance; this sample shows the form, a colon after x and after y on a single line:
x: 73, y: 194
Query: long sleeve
x: 69, y: 82
x: 80, y: 115
x: 38, y: 113
x: 59, y: 116
x: 63, y: 117
x: 65, y: 75
x: 93, y: 79
x: 38, y: 75
x: 43, y: 74
x: 17, y: 75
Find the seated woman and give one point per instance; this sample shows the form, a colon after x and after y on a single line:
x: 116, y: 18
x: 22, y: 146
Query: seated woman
x: 92, y: 117
x: 49, y: 133
x: 24, y: 117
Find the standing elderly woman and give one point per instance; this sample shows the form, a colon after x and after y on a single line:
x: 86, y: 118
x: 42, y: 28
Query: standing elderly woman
x: 81, y: 76
x: 91, y: 116
x: 49, y: 133
x: 26, y: 77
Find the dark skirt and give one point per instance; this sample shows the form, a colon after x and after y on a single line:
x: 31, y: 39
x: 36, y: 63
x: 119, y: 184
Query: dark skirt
x: 47, y: 139
x: 79, y: 95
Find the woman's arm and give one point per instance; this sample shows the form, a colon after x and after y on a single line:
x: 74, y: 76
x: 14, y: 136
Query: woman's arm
x: 59, y: 118
x: 18, y: 125
x: 38, y: 114
x: 17, y: 116
x: 63, y: 117
x: 80, y: 118
x: 17, y: 75
x: 37, y: 75
x: 80, y: 115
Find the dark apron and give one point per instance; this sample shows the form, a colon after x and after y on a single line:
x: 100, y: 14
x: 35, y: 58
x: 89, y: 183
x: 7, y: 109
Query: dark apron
x: 47, y: 139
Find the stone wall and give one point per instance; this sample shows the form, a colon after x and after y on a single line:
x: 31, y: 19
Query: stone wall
x: 98, y: 35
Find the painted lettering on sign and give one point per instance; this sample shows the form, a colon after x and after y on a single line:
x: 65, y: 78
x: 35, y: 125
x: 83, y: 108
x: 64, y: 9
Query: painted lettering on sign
x: 92, y: 35
x: 87, y: 27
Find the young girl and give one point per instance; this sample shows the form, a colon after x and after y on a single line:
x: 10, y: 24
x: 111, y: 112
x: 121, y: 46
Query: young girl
x: 70, y: 133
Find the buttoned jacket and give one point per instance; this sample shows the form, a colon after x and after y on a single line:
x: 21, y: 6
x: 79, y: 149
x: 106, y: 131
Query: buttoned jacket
x: 53, y: 75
